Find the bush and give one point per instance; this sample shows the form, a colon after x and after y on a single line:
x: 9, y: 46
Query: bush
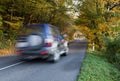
x: 113, y: 50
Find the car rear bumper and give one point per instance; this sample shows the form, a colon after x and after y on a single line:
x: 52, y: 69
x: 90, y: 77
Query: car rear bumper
x: 40, y: 53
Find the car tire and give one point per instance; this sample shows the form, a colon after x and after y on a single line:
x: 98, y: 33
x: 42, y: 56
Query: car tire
x: 33, y: 40
x: 55, y: 57
x: 66, y: 52
x: 54, y: 60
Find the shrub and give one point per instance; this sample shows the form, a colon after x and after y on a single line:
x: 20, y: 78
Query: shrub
x: 113, y: 50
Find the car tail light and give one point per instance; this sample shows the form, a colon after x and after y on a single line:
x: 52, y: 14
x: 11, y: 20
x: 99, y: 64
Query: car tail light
x: 43, y: 53
x: 48, y: 42
x: 18, y: 52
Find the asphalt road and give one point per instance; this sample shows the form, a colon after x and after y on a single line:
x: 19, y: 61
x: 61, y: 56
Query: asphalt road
x: 66, y: 69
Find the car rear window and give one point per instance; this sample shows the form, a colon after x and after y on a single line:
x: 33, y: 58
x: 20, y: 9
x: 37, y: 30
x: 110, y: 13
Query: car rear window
x: 27, y: 30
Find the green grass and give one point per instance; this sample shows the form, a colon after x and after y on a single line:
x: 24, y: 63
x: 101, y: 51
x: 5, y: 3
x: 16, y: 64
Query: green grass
x: 96, y: 68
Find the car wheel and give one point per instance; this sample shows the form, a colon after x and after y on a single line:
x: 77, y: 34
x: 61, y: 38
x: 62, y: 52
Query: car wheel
x: 66, y: 53
x: 35, y: 41
x: 55, y: 57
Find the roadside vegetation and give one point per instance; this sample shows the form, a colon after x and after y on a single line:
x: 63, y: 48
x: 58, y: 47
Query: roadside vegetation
x: 104, y: 64
x: 100, y: 21
x: 97, y: 68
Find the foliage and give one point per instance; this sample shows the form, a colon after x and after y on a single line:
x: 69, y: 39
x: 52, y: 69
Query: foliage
x: 96, y: 68
x: 113, y: 50
x: 1, y: 20
x: 15, y: 13
x: 98, y: 16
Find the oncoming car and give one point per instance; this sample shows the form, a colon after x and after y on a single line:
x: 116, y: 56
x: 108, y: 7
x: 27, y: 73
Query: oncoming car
x: 43, y: 41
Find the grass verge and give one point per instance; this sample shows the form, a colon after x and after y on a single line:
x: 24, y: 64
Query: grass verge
x: 96, y: 68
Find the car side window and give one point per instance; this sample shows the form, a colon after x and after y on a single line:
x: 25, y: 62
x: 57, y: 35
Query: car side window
x: 54, y: 32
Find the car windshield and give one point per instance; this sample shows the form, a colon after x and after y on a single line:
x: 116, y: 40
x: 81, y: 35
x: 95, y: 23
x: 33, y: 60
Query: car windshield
x: 26, y: 30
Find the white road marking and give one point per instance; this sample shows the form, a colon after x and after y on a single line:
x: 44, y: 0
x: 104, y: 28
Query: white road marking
x: 11, y: 65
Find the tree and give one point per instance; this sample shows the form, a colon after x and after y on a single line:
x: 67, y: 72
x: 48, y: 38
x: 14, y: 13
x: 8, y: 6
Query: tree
x: 15, y: 13
x: 99, y: 16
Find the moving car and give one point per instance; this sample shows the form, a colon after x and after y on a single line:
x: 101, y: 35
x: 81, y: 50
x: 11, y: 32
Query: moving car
x: 41, y: 40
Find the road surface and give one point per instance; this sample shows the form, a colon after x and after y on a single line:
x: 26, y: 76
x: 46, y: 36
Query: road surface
x: 66, y: 69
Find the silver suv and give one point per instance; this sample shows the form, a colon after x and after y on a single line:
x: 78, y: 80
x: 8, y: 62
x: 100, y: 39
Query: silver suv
x: 41, y: 40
